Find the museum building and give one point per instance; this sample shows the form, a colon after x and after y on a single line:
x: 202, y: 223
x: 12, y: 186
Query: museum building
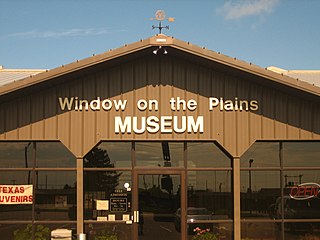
x: 160, y: 139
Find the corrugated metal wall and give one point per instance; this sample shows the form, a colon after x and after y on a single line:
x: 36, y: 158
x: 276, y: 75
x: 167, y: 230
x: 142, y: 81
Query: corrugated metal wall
x: 280, y: 116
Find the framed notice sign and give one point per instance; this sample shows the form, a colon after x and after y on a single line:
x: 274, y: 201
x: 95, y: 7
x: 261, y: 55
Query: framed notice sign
x: 16, y: 194
x: 118, y: 204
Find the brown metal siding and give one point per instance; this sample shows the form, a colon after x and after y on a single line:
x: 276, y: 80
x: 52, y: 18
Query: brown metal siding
x: 280, y: 115
x: 88, y: 120
x: 243, y: 124
x: 63, y: 118
x: 24, y: 118
x: 179, y: 89
x: 50, y: 112
x: 217, y: 119
x: 128, y: 81
x: 230, y: 117
x: 12, y: 121
x: 2, y: 121
x: 37, y: 116
x: 102, y: 90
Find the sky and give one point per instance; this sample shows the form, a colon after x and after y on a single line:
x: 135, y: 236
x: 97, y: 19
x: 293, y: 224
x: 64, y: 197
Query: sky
x: 44, y: 34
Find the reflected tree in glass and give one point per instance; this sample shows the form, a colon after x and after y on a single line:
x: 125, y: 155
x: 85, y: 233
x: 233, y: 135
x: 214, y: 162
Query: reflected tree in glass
x: 100, y: 180
x: 98, y: 184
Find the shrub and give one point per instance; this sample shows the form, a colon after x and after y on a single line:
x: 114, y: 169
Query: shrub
x: 204, y: 234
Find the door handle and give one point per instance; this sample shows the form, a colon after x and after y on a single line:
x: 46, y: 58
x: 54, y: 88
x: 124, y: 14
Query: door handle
x: 136, y: 216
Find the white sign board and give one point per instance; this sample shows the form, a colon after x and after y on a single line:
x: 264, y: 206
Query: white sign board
x: 102, y: 205
x: 16, y: 194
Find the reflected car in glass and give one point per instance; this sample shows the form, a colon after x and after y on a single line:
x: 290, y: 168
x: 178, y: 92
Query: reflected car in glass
x: 297, y: 209
x: 193, y: 216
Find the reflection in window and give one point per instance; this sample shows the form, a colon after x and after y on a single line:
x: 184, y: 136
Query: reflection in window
x: 15, y: 231
x: 259, y: 196
x: 54, y: 154
x: 301, y: 154
x: 55, y: 195
x: 294, y: 178
x: 16, y: 177
x: 102, y: 185
x: 261, y: 154
x: 211, y: 190
x: 207, y: 155
x: 256, y: 230
x: 15, y: 211
x: 109, y: 155
x: 159, y: 154
x: 16, y: 154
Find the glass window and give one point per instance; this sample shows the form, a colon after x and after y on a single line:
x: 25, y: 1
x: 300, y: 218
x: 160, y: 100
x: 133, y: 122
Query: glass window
x: 301, y: 194
x: 16, y: 154
x: 15, y: 211
x: 261, y: 195
x: 261, y: 154
x: 294, y: 178
x: 109, y: 155
x: 260, y: 191
x: 106, y: 187
x: 55, y: 195
x: 54, y: 154
x: 211, y: 191
x: 159, y: 154
x: 258, y: 230
x: 301, y: 154
x: 15, y: 231
x: 206, y: 155
x: 302, y: 230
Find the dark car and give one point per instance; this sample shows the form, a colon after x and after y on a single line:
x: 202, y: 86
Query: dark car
x: 193, y: 216
x: 297, y: 209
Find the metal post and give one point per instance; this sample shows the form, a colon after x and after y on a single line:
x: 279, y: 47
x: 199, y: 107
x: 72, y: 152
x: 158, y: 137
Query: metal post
x: 236, y: 198
x: 80, y: 198
x: 250, y: 164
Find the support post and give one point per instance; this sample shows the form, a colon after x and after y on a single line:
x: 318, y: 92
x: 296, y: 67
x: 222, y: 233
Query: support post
x: 236, y: 198
x: 79, y: 195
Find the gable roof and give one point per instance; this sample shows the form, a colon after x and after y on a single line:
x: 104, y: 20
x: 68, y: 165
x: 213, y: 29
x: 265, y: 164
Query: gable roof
x: 8, y: 76
x: 162, y: 40
x: 310, y: 76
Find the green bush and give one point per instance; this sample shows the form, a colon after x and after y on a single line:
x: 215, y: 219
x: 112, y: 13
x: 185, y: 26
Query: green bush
x: 41, y: 233
x: 104, y: 235
x: 203, y: 234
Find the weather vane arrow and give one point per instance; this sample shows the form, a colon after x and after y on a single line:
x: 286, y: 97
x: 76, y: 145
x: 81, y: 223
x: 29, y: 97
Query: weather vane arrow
x: 160, y: 16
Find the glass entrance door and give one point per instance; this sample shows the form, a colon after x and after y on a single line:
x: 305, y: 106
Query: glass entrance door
x: 159, y: 206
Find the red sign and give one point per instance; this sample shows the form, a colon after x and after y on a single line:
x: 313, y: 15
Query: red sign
x: 305, y: 191
x: 16, y: 194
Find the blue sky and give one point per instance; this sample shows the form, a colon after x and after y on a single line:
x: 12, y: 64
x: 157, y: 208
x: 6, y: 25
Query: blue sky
x: 48, y: 33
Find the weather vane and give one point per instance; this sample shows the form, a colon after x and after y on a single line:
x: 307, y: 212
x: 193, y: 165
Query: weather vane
x: 160, y: 16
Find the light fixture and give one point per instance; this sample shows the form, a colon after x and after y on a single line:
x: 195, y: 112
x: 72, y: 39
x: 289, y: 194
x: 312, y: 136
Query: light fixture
x: 160, y: 49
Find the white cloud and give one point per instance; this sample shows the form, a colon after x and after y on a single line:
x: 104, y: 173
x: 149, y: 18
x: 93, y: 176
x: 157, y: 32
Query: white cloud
x: 75, y: 32
x: 239, y: 9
